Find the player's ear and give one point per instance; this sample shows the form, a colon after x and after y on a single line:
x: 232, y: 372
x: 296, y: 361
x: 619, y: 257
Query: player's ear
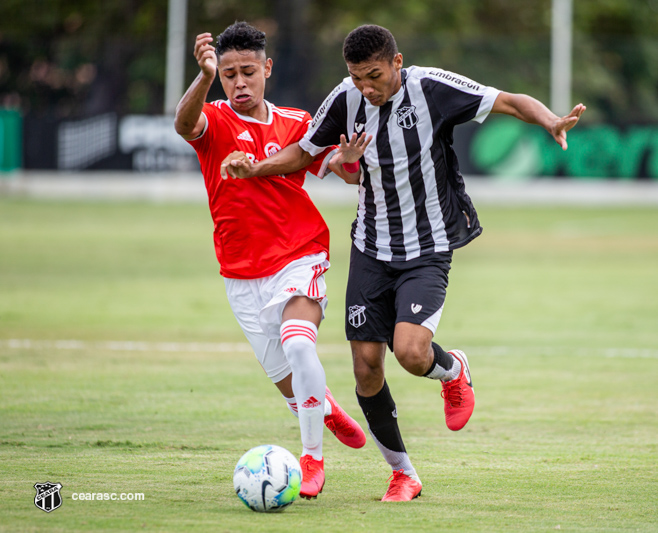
x: 397, y: 61
x: 268, y: 67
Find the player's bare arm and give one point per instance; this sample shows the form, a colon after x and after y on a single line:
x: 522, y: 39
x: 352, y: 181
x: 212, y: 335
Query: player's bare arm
x: 290, y: 159
x: 530, y: 110
x: 349, y: 154
x: 190, y: 121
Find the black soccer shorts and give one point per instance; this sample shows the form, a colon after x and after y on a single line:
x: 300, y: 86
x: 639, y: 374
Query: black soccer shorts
x: 380, y: 294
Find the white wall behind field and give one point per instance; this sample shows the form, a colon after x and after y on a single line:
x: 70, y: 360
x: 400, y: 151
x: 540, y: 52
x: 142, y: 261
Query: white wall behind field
x: 189, y: 187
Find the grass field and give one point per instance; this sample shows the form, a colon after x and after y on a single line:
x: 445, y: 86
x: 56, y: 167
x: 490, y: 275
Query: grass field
x: 556, y: 308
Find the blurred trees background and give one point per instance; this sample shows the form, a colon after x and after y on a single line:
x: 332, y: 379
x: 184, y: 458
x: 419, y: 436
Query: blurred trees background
x: 75, y: 58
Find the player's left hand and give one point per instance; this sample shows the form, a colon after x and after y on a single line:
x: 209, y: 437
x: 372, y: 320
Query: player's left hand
x: 564, y: 124
x: 235, y: 165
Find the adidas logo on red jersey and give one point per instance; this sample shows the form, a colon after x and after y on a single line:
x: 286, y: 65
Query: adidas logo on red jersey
x: 311, y: 402
x: 246, y: 136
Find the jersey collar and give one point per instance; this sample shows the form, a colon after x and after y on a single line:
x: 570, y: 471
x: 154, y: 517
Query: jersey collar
x: 247, y: 118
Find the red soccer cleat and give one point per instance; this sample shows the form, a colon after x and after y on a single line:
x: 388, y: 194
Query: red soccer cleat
x: 312, y: 477
x: 458, y: 395
x: 402, y: 488
x: 346, y: 429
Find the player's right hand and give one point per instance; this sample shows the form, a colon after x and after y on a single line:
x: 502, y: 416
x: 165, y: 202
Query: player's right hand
x: 205, y: 55
x: 235, y: 165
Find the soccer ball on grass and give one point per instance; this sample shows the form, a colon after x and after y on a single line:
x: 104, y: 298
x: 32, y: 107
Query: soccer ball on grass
x: 267, y: 478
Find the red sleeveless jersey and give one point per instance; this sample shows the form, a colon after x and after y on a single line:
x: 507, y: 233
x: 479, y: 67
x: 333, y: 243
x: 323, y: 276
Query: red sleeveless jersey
x: 263, y: 223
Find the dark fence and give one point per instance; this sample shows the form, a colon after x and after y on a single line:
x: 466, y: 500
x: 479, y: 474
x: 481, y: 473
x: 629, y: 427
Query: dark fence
x: 500, y: 147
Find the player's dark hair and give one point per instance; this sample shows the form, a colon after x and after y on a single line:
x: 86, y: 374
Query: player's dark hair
x: 369, y: 42
x: 240, y: 36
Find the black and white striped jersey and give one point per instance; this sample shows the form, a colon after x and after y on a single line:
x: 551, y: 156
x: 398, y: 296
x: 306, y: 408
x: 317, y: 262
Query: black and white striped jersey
x: 412, y: 200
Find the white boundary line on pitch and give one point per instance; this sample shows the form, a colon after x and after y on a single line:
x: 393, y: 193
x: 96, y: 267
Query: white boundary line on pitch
x: 188, y: 187
x: 243, y: 347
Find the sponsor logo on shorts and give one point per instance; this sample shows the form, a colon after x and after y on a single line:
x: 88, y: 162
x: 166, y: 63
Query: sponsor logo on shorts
x: 290, y: 289
x: 357, y: 315
x: 415, y: 308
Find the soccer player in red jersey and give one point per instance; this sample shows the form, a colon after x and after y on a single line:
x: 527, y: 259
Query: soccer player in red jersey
x: 271, y: 242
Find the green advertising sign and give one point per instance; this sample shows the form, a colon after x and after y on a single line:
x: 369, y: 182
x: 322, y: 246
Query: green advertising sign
x: 11, y: 137
x: 506, y: 147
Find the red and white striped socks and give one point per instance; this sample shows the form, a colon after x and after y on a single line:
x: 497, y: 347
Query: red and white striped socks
x: 308, y: 382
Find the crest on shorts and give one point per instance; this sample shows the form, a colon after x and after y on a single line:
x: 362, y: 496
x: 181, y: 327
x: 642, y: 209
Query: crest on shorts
x: 48, y: 497
x: 407, y: 117
x: 357, y: 315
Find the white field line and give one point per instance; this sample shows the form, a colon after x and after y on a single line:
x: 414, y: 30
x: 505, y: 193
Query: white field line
x: 188, y: 187
x: 243, y: 347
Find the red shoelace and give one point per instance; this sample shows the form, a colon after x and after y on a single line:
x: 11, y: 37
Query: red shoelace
x: 452, y: 392
x: 397, y: 484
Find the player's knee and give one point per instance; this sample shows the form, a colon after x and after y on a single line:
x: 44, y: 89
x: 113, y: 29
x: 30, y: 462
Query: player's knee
x: 302, y: 308
x: 368, y: 375
x: 413, y: 357
x: 368, y: 361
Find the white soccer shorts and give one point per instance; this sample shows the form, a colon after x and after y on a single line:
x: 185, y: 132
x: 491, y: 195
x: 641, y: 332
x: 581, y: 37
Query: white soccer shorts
x: 258, y: 306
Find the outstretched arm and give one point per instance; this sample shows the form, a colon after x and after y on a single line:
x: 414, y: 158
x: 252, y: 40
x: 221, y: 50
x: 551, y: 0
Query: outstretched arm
x: 530, y: 110
x: 190, y: 121
x: 290, y: 159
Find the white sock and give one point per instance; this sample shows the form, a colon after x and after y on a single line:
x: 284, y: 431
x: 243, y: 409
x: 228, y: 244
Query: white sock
x: 444, y: 374
x: 397, y: 460
x: 327, y: 407
x: 292, y: 405
x: 308, y: 382
x: 453, y: 373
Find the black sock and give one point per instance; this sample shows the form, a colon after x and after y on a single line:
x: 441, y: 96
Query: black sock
x: 441, y: 358
x: 381, y: 415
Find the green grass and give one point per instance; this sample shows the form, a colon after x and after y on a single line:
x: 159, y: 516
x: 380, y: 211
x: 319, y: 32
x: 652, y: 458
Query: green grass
x: 556, y: 308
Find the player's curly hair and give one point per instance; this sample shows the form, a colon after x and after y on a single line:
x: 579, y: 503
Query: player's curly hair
x: 240, y: 36
x: 369, y: 42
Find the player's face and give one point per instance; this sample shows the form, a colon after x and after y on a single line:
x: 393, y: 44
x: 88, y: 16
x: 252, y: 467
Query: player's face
x: 377, y: 80
x: 243, y: 74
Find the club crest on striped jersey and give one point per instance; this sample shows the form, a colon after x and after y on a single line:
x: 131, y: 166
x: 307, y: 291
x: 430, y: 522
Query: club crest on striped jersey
x: 48, y: 497
x: 407, y: 117
x: 357, y: 315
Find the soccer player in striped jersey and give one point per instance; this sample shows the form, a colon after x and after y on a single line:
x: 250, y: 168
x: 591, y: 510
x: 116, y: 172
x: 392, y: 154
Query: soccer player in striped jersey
x: 413, y: 212
x: 270, y: 240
